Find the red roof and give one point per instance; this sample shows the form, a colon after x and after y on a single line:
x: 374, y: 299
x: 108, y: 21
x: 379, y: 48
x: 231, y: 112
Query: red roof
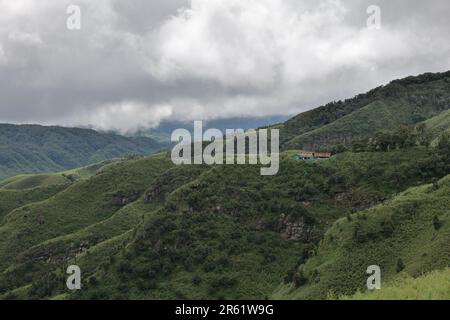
x: 322, y: 154
x: 311, y: 154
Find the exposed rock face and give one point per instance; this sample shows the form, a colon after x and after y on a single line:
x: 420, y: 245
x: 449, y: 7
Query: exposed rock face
x: 55, y: 254
x: 359, y: 202
x: 296, y: 230
x: 41, y: 219
x: 121, y: 200
x: 156, y: 192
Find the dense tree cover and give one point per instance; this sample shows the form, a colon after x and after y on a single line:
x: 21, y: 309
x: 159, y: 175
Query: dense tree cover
x: 32, y: 148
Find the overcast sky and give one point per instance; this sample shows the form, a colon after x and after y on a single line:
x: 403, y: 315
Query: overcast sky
x: 134, y: 63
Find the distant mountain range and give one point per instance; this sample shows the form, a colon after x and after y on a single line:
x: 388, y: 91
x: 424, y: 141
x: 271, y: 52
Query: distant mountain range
x: 40, y: 149
x: 34, y: 148
x: 163, y: 132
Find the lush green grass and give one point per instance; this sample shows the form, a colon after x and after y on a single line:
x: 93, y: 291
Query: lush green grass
x: 13, y: 199
x: 432, y: 286
x: 439, y: 125
x: 440, y: 122
x: 32, y: 181
x: 82, y: 204
x: 29, y: 181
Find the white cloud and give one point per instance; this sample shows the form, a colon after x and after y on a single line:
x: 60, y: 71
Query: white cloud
x: 3, y: 59
x: 27, y: 39
x: 266, y: 43
x: 125, y: 117
x: 278, y: 50
x: 210, y: 58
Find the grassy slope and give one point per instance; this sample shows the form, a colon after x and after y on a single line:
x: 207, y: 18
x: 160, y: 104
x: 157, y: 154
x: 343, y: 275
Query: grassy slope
x: 21, y: 190
x: 12, y: 199
x: 400, y: 102
x: 432, y: 286
x: 206, y: 239
x: 440, y: 122
x: 29, y: 181
x: 438, y: 125
x: 33, y: 181
x: 83, y: 203
x: 401, y: 228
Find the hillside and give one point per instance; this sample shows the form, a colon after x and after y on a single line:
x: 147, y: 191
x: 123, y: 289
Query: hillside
x: 438, y: 125
x: 432, y: 286
x: 39, y: 149
x: 203, y: 226
x: 25, y: 189
x: 163, y: 132
x: 402, y: 102
x: 409, y: 233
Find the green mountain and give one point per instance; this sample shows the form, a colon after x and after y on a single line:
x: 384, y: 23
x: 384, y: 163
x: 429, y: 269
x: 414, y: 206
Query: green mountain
x: 164, y: 131
x: 143, y: 228
x: 402, y: 102
x: 33, y: 148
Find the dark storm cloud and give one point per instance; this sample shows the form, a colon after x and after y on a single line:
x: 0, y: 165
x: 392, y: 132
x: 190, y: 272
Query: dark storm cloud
x: 135, y: 63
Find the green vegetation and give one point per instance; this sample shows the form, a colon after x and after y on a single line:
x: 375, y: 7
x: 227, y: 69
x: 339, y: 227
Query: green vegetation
x: 32, y: 181
x: 38, y: 149
x: 401, y: 232
x: 432, y: 286
x: 402, y: 102
x: 195, y: 231
x: 439, y: 124
x: 142, y: 228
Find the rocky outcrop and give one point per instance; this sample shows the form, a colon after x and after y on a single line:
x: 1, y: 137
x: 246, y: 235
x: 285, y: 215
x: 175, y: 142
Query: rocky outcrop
x: 121, y: 200
x: 296, y: 230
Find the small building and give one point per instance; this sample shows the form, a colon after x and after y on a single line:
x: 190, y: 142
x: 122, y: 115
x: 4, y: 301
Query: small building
x: 307, y: 154
x: 311, y: 155
x: 322, y: 155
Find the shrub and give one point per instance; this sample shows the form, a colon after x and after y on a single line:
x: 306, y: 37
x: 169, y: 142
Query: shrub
x: 400, y: 265
x: 437, y: 223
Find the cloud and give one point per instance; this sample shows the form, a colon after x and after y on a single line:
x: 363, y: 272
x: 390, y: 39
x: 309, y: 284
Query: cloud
x: 126, y: 117
x: 135, y: 63
x: 2, y: 56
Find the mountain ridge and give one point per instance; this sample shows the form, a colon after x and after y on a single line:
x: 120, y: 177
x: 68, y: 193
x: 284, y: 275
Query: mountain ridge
x: 41, y: 149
